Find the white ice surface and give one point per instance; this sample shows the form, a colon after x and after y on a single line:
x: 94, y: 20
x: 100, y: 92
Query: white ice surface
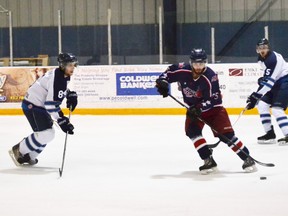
x: 140, y: 166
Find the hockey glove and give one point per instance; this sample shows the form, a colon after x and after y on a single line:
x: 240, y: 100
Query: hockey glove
x: 253, y: 100
x: 71, y: 100
x: 193, y: 112
x: 65, y: 125
x: 162, y: 87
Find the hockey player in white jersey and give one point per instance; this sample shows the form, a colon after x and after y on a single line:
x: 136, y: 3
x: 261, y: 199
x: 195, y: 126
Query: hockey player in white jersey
x: 272, y: 93
x: 42, y: 103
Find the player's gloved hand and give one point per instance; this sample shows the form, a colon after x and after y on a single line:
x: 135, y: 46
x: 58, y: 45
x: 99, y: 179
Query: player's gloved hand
x: 71, y: 100
x: 194, y: 112
x: 162, y: 87
x: 65, y: 125
x: 252, y: 100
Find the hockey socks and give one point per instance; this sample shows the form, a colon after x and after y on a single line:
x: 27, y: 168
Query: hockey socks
x: 200, y: 145
x: 30, y: 145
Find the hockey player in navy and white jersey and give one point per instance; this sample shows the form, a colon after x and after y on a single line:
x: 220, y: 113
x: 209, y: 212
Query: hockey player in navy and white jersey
x: 272, y: 93
x: 42, y: 103
x: 200, y: 90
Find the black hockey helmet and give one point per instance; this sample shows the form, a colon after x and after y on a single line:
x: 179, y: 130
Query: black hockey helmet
x: 263, y: 42
x: 198, y: 55
x: 66, y: 58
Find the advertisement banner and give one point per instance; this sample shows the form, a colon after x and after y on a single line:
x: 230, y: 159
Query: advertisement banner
x: 237, y: 82
x: 14, y: 82
x: 129, y: 86
x: 136, y: 83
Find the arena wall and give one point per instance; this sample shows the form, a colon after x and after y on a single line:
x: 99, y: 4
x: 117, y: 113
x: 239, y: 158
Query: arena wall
x: 127, y: 89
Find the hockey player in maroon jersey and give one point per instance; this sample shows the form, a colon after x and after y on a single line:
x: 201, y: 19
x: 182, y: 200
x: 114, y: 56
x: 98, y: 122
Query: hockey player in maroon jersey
x: 200, y: 89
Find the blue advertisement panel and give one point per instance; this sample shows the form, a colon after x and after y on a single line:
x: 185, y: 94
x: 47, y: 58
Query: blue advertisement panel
x: 136, y: 83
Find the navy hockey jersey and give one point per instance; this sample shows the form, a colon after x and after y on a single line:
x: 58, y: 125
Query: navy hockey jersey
x: 202, y: 91
x: 49, y: 91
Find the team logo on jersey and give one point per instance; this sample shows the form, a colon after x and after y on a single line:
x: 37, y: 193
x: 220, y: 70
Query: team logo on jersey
x: 235, y: 72
x: 189, y: 93
x: 214, y: 78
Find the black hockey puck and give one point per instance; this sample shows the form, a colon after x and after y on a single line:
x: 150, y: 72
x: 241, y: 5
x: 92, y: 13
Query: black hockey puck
x: 263, y: 178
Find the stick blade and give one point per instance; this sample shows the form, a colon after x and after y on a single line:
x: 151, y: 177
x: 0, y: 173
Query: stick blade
x: 268, y: 164
x: 265, y: 164
x: 213, y: 145
x: 60, y: 172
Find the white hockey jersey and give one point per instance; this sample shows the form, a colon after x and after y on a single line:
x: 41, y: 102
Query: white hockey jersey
x: 275, y: 67
x: 49, y: 91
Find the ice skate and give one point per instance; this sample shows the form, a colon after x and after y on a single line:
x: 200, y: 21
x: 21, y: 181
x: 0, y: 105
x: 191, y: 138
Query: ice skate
x: 20, y: 159
x: 268, y: 138
x: 283, y: 141
x: 209, y: 166
x: 249, y: 165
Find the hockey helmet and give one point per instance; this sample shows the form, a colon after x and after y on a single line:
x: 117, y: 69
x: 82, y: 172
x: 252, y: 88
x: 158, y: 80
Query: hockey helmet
x: 198, y: 55
x: 263, y: 41
x: 66, y: 58
x: 262, y: 44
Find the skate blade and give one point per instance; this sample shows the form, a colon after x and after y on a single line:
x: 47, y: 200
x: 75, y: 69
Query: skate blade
x: 209, y: 171
x: 283, y: 143
x: 271, y: 141
x: 13, y: 158
x: 251, y: 169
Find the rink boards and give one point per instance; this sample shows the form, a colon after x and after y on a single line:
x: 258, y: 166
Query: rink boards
x: 128, y: 89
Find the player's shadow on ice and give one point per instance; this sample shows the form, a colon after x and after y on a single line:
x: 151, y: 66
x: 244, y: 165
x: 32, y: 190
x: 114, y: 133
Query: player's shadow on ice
x: 195, y: 175
x: 29, y: 171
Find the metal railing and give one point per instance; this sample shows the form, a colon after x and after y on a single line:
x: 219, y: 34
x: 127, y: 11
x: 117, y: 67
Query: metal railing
x: 9, y: 14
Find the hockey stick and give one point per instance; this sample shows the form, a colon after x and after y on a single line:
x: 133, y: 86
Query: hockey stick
x: 239, y: 116
x: 223, y: 136
x: 213, y: 145
x: 64, y: 151
x: 209, y: 145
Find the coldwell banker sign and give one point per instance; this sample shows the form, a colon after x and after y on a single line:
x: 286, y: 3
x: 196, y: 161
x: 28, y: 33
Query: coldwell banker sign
x: 136, y: 83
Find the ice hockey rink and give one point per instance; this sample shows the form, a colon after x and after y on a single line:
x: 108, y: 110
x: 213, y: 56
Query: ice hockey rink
x: 140, y: 166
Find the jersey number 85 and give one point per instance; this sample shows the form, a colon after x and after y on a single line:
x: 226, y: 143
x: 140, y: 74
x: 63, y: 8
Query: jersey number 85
x: 61, y: 94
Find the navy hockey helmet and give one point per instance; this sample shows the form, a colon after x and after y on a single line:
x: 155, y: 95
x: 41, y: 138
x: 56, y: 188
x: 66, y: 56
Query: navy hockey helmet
x: 262, y: 47
x: 198, y: 55
x: 66, y: 58
x: 263, y: 43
